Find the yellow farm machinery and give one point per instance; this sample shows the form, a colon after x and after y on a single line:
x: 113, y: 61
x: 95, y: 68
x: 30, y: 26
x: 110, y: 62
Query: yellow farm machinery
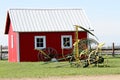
x: 82, y: 54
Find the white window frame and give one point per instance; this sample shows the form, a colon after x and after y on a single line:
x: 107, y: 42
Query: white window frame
x: 44, y: 42
x: 62, y: 41
x: 12, y: 41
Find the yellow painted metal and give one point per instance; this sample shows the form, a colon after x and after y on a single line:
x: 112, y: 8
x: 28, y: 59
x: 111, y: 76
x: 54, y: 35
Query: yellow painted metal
x: 76, y: 49
x: 42, y: 52
x: 76, y: 46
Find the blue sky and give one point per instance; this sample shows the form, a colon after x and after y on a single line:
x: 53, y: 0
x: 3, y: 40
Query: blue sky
x: 104, y: 15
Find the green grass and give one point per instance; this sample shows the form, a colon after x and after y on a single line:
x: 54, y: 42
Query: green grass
x: 41, y: 69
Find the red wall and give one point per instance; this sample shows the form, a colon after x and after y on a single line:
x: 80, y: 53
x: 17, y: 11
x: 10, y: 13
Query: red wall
x: 12, y: 52
x: 53, y: 39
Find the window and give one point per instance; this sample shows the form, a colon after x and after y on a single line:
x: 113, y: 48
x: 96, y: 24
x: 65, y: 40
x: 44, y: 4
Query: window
x: 66, y: 41
x: 40, y: 42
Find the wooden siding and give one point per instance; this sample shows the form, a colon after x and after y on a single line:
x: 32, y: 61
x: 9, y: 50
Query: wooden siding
x: 53, y: 39
x: 12, y: 52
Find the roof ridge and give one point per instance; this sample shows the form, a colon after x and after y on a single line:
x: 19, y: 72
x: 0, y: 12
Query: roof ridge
x: 46, y: 9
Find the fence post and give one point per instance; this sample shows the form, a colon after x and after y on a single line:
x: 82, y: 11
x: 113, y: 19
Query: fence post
x: 113, y: 49
x: 0, y: 52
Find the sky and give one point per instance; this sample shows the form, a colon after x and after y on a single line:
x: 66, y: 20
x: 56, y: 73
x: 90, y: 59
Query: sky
x: 104, y: 15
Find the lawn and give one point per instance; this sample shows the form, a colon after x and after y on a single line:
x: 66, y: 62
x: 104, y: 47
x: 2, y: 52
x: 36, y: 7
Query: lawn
x: 42, y: 69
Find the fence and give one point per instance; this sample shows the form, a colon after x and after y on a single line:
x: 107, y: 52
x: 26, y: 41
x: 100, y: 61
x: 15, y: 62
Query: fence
x: 111, y: 50
x: 3, y: 52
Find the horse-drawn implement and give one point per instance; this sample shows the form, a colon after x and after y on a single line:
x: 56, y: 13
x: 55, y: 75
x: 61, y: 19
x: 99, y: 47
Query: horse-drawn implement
x: 81, y: 55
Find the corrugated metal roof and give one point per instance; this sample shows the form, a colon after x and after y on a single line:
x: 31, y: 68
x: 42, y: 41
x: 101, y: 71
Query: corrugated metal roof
x: 35, y: 20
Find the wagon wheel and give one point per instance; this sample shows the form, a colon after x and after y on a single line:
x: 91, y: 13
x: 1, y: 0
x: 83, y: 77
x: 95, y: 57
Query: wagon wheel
x: 82, y: 45
x: 90, y: 42
x: 49, y: 53
x: 84, y: 42
x: 40, y: 56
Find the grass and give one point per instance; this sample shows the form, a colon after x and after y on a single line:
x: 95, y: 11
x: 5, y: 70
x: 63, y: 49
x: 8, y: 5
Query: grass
x: 41, y: 69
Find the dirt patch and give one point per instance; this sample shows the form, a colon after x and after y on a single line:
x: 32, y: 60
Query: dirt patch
x: 103, y: 77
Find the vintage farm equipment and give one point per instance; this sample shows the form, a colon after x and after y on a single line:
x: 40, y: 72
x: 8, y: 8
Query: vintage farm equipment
x: 47, y: 54
x: 82, y: 55
x: 85, y: 56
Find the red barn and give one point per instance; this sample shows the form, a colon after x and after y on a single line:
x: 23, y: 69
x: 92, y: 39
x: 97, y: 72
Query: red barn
x: 30, y: 29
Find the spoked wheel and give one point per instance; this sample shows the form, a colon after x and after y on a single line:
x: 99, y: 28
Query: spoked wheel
x: 47, y: 54
x: 41, y: 57
x: 85, y: 43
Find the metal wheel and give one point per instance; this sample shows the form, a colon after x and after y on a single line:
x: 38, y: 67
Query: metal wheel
x: 47, y: 54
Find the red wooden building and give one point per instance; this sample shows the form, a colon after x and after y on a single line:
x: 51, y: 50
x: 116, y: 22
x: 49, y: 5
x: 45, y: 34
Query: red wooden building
x: 30, y: 29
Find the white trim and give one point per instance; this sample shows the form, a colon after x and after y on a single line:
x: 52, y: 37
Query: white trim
x: 12, y: 41
x: 44, y: 42
x: 63, y: 36
x: 18, y: 48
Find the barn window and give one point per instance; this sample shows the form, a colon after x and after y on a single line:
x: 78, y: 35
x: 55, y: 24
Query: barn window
x: 40, y: 42
x: 66, y: 41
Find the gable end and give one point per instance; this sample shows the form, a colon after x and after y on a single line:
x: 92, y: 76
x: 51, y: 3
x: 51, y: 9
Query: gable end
x: 7, y: 26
